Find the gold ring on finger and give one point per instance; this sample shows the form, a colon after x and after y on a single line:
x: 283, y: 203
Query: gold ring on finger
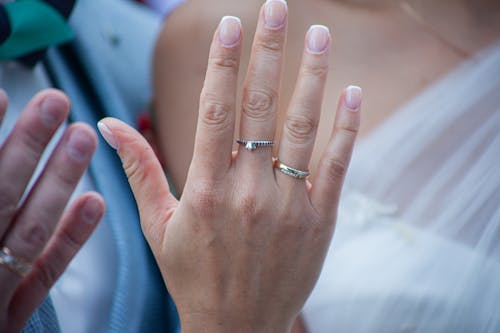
x: 289, y: 171
x: 17, y: 265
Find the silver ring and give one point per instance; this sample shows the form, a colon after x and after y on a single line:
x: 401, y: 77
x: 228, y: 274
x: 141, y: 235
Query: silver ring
x: 289, y: 171
x: 19, y: 266
x: 254, y: 144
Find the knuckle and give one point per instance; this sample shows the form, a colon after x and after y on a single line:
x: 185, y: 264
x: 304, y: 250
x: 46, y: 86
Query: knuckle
x: 33, y: 236
x: 7, y: 204
x: 32, y: 142
x: 47, y: 273
x: 205, y: 200
x: 66, y: 176
x: 315, y: 70
x: 71, y: 243
x: 250, y: 206
x: 214, y: 112
x: 269, y: 44
x: 300, y: 128
x: 350, y: 131
x: 134, y: 166
x: 294, y: 225
x: 336, y: 168
x: 258, y: 104
x: 132, y: 170
x: 223, y: 63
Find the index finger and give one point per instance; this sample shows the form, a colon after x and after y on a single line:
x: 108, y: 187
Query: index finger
x: 214, y: 134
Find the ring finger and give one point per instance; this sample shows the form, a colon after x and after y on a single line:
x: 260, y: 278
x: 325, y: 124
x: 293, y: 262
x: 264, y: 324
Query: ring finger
x: 299, y: 132
x: 262, y: 83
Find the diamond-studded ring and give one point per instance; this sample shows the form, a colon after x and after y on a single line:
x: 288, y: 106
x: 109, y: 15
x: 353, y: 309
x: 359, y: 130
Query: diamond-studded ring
x: 254, y: 144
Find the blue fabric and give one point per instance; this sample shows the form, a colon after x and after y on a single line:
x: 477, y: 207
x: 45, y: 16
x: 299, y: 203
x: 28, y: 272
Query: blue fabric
x: 105, y: 73
x: 44, y: 319
x: 164, y: 7
x: 116, y: 50
x: 141, y: 302
x: 63, y: 7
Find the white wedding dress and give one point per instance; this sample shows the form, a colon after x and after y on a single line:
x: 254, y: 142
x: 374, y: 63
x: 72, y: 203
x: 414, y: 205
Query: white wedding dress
x: 417, y: 245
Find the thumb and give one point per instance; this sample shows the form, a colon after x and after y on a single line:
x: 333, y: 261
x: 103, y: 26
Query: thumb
x: 145, y: 175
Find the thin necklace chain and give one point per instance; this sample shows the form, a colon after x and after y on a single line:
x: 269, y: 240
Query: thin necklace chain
x: 419, y: 19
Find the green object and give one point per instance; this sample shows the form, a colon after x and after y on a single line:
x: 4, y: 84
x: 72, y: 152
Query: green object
x: 35, y: 26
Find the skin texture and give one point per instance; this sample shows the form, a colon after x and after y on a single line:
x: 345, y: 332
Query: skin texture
x: 243, y: 248
x: 41, y: 231
x: 376, y: 45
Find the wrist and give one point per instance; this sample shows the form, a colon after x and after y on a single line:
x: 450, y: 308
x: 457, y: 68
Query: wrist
x: 220, y: 322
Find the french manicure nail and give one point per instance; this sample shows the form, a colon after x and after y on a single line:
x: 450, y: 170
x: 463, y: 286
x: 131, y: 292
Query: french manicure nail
x: 79, y: 145
x: 91, y: 212
x: 230, y: 31
x: 52, y: 111
x: 107, y: 135
x: 318, y: 38
x: 353, y: 98
x: 275, y: 13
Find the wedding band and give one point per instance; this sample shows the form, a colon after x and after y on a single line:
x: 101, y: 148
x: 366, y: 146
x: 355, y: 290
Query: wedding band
x: 289, y: 171
x: 254, y: 144
x: 16, y: 265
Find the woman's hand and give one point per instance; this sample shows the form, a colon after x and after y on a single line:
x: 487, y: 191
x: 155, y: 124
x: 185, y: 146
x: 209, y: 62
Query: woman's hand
x: 243, y: 248
x: 39, y: 238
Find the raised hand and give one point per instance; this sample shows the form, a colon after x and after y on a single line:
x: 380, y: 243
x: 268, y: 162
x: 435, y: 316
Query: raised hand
x: 243, y: 248
x: 38, y: 236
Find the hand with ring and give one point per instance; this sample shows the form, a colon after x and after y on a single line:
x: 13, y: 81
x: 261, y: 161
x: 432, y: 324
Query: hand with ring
x: 243, y: 248
x: 38, y: 237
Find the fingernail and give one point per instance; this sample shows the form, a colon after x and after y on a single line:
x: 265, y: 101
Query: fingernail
x: 318, y: 38
x: 107, y: 135
x: 275, y: 13
x: 52, y: 111
x: 230, y: 31
x: 353, y: 98
x: 80, y: 145
x: 92, y: 211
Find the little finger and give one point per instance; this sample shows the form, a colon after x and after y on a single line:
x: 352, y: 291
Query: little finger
x: 335, y: 160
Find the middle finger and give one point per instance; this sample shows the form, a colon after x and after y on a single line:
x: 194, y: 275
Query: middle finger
x: 262, y: 83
